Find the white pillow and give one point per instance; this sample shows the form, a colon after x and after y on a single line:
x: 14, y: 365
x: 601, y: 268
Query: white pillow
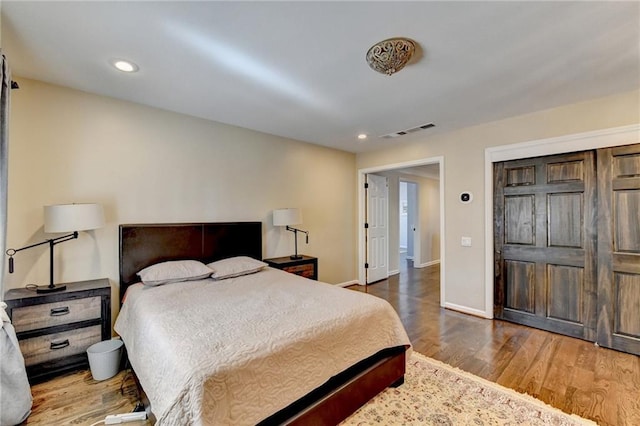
x: 235, y: 267
x: 174, y: 272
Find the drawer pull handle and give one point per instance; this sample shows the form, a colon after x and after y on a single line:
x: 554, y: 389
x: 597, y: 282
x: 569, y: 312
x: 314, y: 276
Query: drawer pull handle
x: 56, y: 312
x: 59, y: 345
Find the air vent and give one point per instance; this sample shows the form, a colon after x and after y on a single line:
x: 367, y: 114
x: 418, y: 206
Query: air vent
x: 406, y: 132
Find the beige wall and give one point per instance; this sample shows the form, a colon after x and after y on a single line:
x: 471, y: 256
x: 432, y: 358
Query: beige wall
x: 429, y: 207
x: 150, y: 165
x: 463, y: 153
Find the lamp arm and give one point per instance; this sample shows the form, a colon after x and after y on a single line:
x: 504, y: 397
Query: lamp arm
x: 52, y: 242
x: 64, y: 238
x: 296, y: 230
x: 11, y: 252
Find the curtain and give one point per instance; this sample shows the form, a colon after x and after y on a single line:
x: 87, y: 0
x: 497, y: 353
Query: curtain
x: 5, y: 96
x: 15, y: 397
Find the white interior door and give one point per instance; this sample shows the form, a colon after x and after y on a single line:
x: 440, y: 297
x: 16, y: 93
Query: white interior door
x: 412, y: 219
x: 403, y: 233
x: 377, y: 216
x: 413, y: 194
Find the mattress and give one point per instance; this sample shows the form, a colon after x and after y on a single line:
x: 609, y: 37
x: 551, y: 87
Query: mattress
x: 238, y: 350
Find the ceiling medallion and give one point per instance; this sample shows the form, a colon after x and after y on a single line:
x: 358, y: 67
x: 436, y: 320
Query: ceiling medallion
x: 391, y: 55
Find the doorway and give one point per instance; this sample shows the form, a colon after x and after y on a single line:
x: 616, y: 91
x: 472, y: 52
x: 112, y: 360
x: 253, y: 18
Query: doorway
x: 431, y: 241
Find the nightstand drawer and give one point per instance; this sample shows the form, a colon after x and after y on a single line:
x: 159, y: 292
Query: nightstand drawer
x: 59, y: 345
x: 307, y: 271
x: 57, y: 313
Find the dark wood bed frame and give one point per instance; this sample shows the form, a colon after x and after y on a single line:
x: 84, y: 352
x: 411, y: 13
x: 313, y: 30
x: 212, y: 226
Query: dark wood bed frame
x: 142, y: 245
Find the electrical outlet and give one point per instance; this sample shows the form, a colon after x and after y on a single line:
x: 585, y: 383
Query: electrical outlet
x: 466, y: 242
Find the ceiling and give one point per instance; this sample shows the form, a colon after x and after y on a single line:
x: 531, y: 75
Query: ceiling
x: 297, y: 69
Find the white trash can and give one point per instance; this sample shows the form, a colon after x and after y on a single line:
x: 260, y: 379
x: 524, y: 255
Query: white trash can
x: 104, y: 358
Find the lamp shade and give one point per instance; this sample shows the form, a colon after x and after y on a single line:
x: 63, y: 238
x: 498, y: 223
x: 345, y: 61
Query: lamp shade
x: 73, y: 217
x: 284, y: 217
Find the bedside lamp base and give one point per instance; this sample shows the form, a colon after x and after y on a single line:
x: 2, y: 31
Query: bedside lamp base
x: 50, y: 289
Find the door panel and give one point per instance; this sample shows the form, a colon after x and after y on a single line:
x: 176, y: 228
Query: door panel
x: 565, y: 220
x: 544, y: 246
x: 565, y: 293
x: 521, y: 176
x: 520, y: 286
x: 566, y: 171
x: 627, y: 208
x: 619, y: 248
x: 519, y: 219
x: 628, y: 291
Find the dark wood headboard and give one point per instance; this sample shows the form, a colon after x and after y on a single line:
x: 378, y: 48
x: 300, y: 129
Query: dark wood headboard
x: 142, y: 245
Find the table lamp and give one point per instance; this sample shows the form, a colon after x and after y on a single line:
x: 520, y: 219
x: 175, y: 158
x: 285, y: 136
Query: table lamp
x: 286, y: 217
x: 63, y: 218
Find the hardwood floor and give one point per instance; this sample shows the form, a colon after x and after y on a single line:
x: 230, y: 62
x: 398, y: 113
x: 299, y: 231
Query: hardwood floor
x: 77, y: 399
x: 570, y: 374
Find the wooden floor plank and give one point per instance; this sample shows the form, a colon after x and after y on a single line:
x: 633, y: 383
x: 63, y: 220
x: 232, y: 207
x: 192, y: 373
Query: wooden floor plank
x: 557, y: 381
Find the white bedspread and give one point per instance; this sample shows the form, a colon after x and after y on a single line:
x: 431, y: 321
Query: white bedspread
x: 238, y: 350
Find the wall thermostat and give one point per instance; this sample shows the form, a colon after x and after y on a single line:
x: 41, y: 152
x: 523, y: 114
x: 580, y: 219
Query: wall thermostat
x: 466, y: 197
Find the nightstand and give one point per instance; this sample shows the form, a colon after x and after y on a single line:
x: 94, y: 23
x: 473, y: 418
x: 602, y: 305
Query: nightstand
x: 55, y: 329
x: 306, y: 267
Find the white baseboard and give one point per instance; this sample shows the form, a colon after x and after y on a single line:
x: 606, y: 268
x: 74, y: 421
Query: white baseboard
x: 430, y: 263
x: 467, y: 310
x: 394, y: 272
x: 348, y: 283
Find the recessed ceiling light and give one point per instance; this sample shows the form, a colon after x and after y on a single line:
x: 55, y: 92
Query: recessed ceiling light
x: 125, y: 66
x: 362, y: 136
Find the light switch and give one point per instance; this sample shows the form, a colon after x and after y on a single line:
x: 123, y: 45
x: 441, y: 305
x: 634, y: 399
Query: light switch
x: 466, y: 242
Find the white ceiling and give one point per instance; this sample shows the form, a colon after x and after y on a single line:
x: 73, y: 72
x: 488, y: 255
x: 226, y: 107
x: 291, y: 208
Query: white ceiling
x: 297, y: 69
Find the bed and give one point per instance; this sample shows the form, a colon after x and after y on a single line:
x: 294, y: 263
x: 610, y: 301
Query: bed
x: 263, y: 348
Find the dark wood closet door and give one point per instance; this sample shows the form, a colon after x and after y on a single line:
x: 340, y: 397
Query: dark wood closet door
x: 545, y: 246
x: 619, y: 248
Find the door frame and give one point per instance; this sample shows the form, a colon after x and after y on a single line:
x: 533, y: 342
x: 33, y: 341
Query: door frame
x: 615, y: 136
x: 361, y: 213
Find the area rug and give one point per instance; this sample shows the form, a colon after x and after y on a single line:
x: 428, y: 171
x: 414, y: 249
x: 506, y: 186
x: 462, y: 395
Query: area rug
x: 435, y: 393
